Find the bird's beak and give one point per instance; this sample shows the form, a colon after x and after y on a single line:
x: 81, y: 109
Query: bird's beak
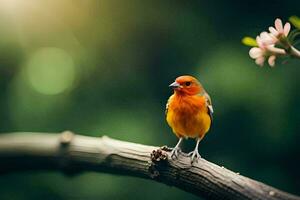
x: 174, y: 85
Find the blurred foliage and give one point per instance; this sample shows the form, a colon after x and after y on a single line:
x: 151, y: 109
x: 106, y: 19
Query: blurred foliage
x: 295, y: 21
x: 103, y: 67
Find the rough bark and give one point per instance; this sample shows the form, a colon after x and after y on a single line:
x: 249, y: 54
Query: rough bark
x: 73, y: 154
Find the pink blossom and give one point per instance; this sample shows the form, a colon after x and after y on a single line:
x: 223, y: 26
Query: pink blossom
x: 279, y: 29
x: 266, y: 49
x: 268, y: 44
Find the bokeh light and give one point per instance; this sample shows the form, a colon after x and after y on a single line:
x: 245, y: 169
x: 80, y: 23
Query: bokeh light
x: 51, y: 71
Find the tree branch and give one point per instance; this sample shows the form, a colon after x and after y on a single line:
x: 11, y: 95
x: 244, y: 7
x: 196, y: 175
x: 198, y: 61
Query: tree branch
x: 73, y: 154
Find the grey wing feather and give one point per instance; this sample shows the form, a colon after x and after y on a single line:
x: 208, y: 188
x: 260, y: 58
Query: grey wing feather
x: 209, y: 106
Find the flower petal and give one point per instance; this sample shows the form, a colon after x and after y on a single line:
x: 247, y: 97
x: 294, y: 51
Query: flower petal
x: 271, y: 60
x: 268, y: 38
x: 273, y: 31
x: 255, y: 52
x: 274, y: 50
x: 286, y: 29
x: 260, y: 61
x: 264, y: 36
x: 278, y: 25
x: 259, y: 42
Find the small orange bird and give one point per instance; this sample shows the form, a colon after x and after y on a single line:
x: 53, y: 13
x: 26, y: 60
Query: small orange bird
x: 189, y: 112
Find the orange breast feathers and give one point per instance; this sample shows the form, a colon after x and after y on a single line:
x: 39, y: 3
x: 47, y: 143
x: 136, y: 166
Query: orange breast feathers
x: 188, y: 116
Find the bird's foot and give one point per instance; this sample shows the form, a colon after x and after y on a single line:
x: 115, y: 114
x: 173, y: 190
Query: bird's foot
x: 195, y: 156
x: 166, y: 148
x: 175, y: 152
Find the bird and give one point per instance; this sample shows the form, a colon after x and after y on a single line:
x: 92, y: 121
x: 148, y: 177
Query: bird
x: 189, y: 113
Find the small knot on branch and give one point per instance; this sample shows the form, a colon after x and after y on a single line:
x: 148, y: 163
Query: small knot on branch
x: 158, y: 158
x: 65, y: 161
x: 66, y: 137
x: 158, y: 155
x: 271, y: 193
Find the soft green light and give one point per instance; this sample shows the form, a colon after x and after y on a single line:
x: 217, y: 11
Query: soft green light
x: 51, y: 71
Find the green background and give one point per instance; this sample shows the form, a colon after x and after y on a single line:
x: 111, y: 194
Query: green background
x: 103, y: 67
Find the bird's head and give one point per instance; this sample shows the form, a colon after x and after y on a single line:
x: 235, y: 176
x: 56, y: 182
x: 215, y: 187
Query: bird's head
x: 186, y: 85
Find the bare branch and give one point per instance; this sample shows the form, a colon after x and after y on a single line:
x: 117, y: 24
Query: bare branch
x: 73, y: 154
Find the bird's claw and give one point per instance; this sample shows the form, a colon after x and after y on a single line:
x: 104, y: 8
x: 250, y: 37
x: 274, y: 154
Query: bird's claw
x: 175, y: 152
x: 195, y: 156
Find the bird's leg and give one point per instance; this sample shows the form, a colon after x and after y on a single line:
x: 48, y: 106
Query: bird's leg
x: 195, y: 154
x: 176, y: 149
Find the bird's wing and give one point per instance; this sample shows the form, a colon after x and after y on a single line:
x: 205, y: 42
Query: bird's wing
x: 168, y: 103
x: 209, y: 105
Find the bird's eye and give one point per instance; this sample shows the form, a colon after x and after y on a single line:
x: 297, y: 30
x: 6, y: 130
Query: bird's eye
x: 188, y: 83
